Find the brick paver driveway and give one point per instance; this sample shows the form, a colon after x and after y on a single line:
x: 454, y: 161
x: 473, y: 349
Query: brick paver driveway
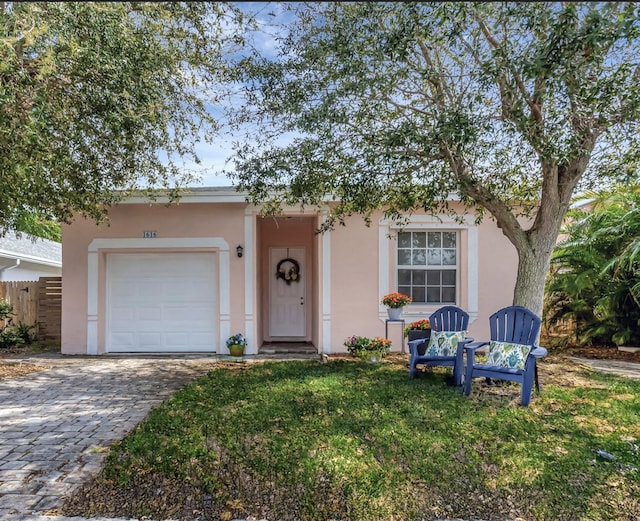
x: 54, y: 424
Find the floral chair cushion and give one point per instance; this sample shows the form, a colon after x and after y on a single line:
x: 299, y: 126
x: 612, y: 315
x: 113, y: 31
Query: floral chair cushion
x: 444, y: 343
x: 508, y: 354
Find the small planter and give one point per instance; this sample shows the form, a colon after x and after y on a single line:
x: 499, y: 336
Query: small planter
x: 415, y: 334
x: 372, y: 358
x: 236, y: 350
x: 394, y: 313
x: 368, y: 349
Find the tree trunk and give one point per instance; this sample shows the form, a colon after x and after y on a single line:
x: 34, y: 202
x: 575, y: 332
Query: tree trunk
x: 533, y: 266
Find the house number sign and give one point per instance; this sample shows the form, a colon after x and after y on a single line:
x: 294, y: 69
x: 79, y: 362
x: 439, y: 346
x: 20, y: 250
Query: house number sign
x: 149, y: 235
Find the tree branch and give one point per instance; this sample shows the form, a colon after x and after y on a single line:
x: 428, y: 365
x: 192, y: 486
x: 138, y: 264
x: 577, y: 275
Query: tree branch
x: 406, y: 107
x: 441, y: 89
x: 505, y: 219
x: 533, y: 102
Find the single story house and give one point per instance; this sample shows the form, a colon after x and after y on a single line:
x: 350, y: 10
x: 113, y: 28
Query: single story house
x: 24, y: 258
x: 184, y: 277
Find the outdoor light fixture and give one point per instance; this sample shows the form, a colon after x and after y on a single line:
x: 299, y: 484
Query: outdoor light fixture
x: 239, y: 250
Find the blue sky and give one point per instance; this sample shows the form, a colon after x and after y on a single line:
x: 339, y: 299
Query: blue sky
x: 216, y: 157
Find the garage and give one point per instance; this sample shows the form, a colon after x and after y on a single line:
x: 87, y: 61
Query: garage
x: 161, y: 302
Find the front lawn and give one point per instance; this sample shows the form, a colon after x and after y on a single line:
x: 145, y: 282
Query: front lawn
x: 348, y: 440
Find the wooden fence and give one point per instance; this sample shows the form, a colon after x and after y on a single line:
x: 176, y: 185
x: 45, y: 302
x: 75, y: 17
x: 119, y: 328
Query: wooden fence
x: 50, y: 309
x: 23, y: 296
x: 36, y: 302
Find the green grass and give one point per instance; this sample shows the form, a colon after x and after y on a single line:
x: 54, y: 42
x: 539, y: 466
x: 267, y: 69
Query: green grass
x: 351, y: 440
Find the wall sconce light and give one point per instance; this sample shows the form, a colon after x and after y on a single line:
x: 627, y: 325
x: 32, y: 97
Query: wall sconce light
x: 239, y: 251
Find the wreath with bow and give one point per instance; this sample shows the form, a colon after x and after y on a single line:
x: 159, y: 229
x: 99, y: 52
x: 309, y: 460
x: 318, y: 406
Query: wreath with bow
x: 288, y: 270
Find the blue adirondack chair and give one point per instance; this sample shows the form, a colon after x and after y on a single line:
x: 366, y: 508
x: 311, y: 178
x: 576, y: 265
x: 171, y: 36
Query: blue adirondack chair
x: 515, y: 325
x: 447, y: 318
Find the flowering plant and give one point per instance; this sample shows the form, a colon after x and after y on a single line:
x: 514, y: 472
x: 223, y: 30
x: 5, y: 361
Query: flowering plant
x: 396, y: 300
x: 362, y: 346
x: 237, y: 339
x: 422, y: 325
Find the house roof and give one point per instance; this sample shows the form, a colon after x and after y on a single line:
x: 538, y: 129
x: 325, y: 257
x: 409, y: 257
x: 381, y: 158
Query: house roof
x: 199, y: 194
x: 205, y: 194
x: 31, y: 249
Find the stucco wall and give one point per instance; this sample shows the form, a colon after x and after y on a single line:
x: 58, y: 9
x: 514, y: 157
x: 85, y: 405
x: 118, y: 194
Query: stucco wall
x: 130, y: 221
x: 361, y: 263
x: 358, y: 277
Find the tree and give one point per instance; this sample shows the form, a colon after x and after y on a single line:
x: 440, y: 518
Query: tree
x: 98, y: 99
x: 509, y: 106
x: 595, y: 272
x: 34, y: 225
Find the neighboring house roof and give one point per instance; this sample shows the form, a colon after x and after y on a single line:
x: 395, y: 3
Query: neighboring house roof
x: 30, y: 249
x: 582, y: 203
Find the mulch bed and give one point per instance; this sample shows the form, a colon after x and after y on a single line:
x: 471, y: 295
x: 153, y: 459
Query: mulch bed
x: 15, y: 370
x: 10, y: 368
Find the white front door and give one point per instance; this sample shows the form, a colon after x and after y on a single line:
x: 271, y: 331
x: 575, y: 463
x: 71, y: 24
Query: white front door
x: 287, y: 297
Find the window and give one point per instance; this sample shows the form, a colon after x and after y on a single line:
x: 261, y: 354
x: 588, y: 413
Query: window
x: 427, y: 266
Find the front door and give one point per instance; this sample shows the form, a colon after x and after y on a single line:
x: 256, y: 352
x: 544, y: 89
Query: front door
x: 287, y: 296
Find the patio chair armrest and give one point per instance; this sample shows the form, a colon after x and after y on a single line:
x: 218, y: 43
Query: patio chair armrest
x: 463, y: 343
x: 538, y: 352
x: 474, y: 346
x: 413, y: 345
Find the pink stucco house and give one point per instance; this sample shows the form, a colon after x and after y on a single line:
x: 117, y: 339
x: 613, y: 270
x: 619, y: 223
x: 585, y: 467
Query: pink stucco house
x: 164, y: 278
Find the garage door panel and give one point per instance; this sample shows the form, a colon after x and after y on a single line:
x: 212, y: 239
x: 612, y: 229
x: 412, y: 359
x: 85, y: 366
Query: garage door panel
x: 148, y: 313
x: 161, y: 302
x: 197, y: 314
x: 199, y: 339
x: 124, y: 339
x: 125, y: 288
x: 149, y: 338
x: 120, y: 314
x: 146, y: 288
x: 200, y: 292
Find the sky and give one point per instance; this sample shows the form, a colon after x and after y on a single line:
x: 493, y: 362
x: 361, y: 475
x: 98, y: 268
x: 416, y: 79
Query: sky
x: 216, y: 157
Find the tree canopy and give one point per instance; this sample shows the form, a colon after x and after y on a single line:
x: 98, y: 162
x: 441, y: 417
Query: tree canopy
x: 97, y: 99
x: 508, y: 106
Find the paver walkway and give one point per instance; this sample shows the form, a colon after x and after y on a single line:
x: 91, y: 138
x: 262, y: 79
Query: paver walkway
x: 619, y: 367
x: 55, y: 424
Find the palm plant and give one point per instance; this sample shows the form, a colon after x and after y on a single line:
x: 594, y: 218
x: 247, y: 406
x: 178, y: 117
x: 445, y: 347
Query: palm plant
x: 595, y: 273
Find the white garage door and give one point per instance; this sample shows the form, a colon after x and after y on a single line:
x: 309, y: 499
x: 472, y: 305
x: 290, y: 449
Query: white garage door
x: 161, y: 302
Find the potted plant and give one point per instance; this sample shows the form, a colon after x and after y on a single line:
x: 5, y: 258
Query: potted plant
x: 419, y: 329
x: 395, y: 302
x: 236, y: 344
x: 370, y: 349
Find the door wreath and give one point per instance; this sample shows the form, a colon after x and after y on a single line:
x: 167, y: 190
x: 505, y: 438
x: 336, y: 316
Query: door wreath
x: 288, y: 270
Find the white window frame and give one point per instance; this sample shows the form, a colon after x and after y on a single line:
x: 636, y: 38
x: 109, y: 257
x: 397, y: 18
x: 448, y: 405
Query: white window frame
x: 387, y: 230
x: 426, y: 267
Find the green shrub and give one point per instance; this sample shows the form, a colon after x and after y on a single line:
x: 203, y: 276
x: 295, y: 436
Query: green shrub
x: 6, y: 312
x: 362, y: 346
x: 14, y: 334
x: 594, y: 280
